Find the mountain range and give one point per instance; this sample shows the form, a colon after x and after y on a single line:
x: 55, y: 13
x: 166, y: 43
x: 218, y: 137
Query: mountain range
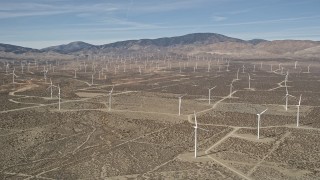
x: 196, y: 43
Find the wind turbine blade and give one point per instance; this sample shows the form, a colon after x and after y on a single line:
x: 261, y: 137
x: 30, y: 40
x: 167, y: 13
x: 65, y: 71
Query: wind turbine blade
x: 291, y: 95
x: 284, y: 96
x: 203, y: 129
x: 263, y: 111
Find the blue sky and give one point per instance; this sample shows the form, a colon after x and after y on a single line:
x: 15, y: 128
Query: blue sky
x: 43, y: 23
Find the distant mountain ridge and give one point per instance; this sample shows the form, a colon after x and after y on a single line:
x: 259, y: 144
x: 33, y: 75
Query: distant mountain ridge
x: 196, y: 38
x: 69, y: 48
x: 195, y: 43
x: 16, y: 49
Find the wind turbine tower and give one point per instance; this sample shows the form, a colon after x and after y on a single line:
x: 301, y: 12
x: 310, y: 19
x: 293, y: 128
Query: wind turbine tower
x: 259, y: 122
x: 298, y: 111
x: 210, y: 94
x: 110, y: 98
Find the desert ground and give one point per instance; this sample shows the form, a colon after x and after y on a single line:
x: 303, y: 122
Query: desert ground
x: 119, y: 118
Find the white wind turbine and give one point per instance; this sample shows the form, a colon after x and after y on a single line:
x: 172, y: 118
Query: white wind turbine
x: 228, y: 66
x: 249, y: 81
x: 286, y: 79
x: 309, y: 68
x: 298, y: 111
x: 91, y: 79
x: 231, y: 86
x: 238, y: 74
x: 295, y: 65
x: 210, y: 93
x: 280, y: 66
x: 242, y: 68
x: 51, y: 86
x: 7, y: 67
x: 195, y: 134
x: 45, y: 71
x: 259, y: 122
x: 59, y: 93
x: 28, y: 66
x: 13, y: 75
x: 180, y: 104
x: 110, y: 98
x: 85, y: 67
x: 22, y: 66
x: 287, y: 96
x: 75, y: 73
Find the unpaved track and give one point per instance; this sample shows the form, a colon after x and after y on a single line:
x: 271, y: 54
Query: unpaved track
x: 274, y: 147
x: 207, y: 152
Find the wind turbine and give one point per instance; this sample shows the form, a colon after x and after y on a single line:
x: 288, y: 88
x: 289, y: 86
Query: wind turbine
x: 28, y: 66
x: 210, y: 93
x: 85, y: 67
x: 45, y: 71
x: 238, y: 74
x: 51, y: 86
x: 7, y: 67
x: 91, y: 79
x: 242, y: 68
x: 295, y: 65
x: 180, y: 104
x: 75, y: 73
x: 287, y: 96
x: 231, y: 86
x: 13, y: 75
x: 298, y: 110
x: 110, y: 97
x: 195, y: 134
x: 286, y: 79
x: 259, y: 122
x: 249, y: 81
x: 309, y: 68
x: 59, y: 96
x: 280, y: 66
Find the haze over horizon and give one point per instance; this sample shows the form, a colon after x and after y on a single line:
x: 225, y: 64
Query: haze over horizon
x: 44, y: 23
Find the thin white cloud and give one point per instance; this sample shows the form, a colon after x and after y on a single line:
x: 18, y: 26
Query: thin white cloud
x: 10, y: 10
x: 218, y: 18
x: 42, y: 8
x: 271, y: 21
x: 167, y: 5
